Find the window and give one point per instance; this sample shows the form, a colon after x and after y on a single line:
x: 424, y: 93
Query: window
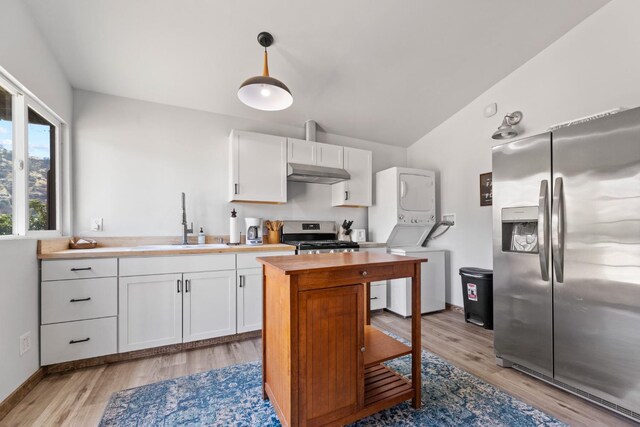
x: 41, y: 141
x: 29, y: 148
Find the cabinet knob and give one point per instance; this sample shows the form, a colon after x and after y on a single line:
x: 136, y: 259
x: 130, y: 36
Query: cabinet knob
x: 364, y: 273
x: 362, y: 349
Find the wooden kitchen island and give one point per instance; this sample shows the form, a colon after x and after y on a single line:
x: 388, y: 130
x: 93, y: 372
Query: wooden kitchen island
x: 322, y: 360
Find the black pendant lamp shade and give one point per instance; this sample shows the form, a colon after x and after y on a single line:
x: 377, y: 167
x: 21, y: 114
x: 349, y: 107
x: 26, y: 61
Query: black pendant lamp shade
x: 264, y: 92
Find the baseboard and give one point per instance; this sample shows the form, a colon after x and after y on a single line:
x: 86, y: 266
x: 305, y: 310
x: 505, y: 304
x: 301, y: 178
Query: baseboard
x: 18, y: 394
x: 147, y: 352
x: 456, y: 308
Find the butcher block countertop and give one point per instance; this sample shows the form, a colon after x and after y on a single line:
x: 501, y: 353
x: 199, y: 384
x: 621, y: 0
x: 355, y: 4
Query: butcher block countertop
x: 132, y: 247
x: 301, y: 264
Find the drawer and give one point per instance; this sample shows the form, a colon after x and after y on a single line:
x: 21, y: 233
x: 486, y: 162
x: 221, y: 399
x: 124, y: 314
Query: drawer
x: 67, y: 300
x: 176, y: 264
x: 62, y: 342
x: 378, y: 297
x: 79, y: 268
x: 248, y: 260
x: 361, y: 275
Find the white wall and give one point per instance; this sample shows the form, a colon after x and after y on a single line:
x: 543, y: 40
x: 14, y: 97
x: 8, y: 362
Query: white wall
x: 25, y: 55
x: 133, y: 159
x: 592, y: 68
x: 18, y: 312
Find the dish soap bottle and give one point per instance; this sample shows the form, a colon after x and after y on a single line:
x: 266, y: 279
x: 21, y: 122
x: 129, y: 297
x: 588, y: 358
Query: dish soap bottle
x: 234, y: 231
x: 201, y: 237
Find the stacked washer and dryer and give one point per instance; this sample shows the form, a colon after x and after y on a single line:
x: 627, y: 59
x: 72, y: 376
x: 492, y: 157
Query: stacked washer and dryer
x: 403, y: 213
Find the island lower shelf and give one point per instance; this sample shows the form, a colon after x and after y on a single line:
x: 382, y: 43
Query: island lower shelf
x: 382, y: 384
x: 380, y: 347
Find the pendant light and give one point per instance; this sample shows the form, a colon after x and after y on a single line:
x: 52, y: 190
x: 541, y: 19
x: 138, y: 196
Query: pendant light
x: 264, y: 92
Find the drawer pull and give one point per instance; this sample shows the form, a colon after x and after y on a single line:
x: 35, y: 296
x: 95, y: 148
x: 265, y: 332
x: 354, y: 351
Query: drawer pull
x: 374, y: 298
x: 78, y: 341
x: 81, y: 269
x: 80, y: 299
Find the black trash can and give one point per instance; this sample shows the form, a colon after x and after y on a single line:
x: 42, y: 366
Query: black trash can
x: 477, y: 289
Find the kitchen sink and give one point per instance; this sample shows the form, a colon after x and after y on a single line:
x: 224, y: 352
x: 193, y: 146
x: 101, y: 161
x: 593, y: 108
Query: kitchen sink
x: 174, y: 247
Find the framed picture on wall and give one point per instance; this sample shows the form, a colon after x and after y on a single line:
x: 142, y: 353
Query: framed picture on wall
x: 486, y: 193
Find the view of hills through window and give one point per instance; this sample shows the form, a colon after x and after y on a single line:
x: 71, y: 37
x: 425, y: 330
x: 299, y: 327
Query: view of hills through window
x: 41, y: 143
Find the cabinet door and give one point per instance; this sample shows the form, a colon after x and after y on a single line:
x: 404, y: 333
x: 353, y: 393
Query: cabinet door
x: 357, y: 190
x: 301, y: 151
x: 249, y: 293
x: 329, y: 155
x: 258, y: 168
x: 331, y: 328
x: 150, y: 311
x: 209, y: 305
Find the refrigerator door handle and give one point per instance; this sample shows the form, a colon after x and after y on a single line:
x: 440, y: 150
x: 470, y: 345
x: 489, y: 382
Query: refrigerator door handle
x: 557, y: 235
x: 543, y: 229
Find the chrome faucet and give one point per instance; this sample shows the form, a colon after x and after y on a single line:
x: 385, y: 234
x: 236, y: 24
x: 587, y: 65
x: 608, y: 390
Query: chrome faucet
x: 185, y: 230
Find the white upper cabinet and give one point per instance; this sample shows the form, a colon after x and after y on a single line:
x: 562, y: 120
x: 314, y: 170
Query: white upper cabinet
x: 258, y: 168
x: 357, y: 190
x: 315, y: 153
x: 301, y: 151
x: 329, y: 155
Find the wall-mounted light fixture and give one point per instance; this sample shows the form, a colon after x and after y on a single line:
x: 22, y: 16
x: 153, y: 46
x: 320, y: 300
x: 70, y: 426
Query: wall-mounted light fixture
x: 264, y: 92
x: 506, y: 130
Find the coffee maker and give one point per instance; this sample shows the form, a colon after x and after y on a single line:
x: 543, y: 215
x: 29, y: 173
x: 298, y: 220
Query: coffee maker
x: 254, y: 231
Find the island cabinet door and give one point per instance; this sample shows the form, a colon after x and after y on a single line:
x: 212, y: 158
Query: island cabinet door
x: 331, y: 381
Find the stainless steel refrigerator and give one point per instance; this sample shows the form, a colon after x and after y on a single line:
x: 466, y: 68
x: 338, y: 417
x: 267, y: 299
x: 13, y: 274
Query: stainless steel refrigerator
x: 566, y: 251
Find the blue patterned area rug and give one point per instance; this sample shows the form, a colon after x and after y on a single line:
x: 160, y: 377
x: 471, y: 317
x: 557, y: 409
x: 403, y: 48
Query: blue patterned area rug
x: 232, y: 396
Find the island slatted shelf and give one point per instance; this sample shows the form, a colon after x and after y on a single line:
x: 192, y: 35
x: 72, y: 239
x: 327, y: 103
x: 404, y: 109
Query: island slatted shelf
x: 322, y: 360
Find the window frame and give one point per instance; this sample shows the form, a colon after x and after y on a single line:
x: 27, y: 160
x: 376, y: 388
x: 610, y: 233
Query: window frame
x: 22, y: 100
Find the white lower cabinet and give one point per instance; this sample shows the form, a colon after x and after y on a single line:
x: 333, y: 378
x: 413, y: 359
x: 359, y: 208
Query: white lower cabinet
x: 169, y: 309
x: 155, y: 301
x: 150, y: 311
x: 208, y: 305
x: 249, y: 291
x: 62, y: 342
x: 78, y: 309
x: 378, y: 296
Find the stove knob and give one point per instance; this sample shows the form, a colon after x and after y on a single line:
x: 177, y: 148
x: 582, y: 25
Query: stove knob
x: 352, y: 250
x: 309, y: 252
x: 346, y: 250
x: 332, y: 251
x: 317, y: 252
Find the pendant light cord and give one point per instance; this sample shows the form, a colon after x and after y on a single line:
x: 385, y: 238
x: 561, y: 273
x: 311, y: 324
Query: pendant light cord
x: 265, y: 69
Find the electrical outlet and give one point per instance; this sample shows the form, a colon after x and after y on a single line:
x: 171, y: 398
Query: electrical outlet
x: 449, y: 217
x: 96, y: 224
x: 25, y: 342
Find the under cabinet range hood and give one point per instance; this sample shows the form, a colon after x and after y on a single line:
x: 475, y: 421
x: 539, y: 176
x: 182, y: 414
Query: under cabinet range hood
x: 316, y: 174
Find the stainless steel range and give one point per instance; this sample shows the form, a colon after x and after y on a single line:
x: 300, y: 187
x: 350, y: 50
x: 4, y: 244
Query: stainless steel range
x: 315, y: 237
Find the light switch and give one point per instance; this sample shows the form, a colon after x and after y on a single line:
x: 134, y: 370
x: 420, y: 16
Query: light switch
x: 96, y: 224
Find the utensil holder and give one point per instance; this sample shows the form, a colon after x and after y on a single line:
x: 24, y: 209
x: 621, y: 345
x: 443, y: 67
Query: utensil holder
x: 273, y: 236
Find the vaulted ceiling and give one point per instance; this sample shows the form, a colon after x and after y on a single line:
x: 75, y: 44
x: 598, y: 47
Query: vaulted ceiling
x: 385, y: 70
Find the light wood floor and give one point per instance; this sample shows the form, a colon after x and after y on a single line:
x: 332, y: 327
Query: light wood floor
x: 79, y: 398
